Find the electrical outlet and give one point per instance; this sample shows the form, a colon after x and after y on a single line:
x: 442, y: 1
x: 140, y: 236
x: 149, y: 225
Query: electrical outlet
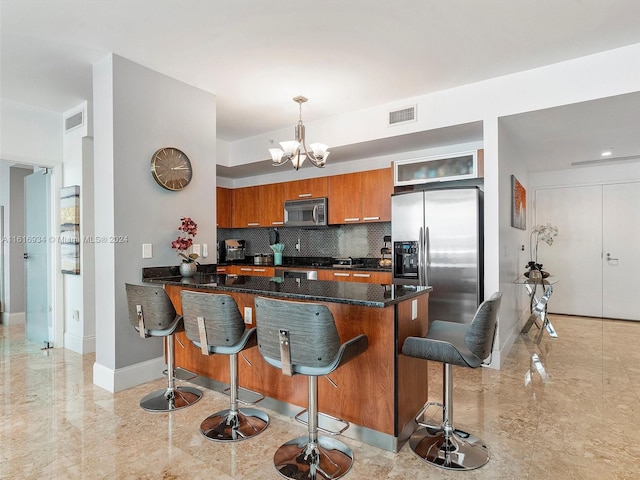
x: 248, y: 313
x: 205, y: 250
x: 414, y: 309
x: 147, y: 250
x: 195, y: 248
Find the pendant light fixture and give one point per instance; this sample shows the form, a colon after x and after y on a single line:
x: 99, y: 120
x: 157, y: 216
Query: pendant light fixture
x: 296, y: 150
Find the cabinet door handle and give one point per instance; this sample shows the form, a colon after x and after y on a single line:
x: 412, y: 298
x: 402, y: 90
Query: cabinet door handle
x: 336, y: 274
x: 355, y: 219
x: 259, y: 270
x: 253, y: 224
x: 363, y: 275
x: 245, y: 269
x: 303, y: 195
x: 277, y: 223
x: 371, y: 218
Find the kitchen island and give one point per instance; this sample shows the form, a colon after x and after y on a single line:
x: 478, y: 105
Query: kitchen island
x: 379, y: 393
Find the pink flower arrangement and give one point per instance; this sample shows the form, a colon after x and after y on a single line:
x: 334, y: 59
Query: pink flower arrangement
x: 189, y: 229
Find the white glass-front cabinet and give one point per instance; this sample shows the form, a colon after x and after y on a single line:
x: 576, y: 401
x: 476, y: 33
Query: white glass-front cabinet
x: 459, y: 166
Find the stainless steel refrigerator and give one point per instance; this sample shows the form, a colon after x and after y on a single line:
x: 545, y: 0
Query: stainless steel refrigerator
x: 437, y: 240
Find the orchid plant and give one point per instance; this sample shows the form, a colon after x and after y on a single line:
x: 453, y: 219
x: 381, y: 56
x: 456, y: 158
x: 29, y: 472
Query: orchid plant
x: 545, y: 233
x: 188, y: 229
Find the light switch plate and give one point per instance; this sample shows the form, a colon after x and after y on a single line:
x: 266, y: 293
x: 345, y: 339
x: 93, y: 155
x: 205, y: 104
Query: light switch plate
x: 205, y: 250
x: 414, y: 309
x: 195, y: 248
x: 147, y: 250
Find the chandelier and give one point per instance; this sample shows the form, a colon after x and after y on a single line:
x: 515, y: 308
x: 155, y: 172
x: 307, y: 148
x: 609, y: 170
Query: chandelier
x: 296, y: 150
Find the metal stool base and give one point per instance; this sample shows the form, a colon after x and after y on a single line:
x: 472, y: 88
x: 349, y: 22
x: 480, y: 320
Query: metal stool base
x: 166, y: 401
x: 226, y: 426
x: 463, y: 451
x: 298, y: 459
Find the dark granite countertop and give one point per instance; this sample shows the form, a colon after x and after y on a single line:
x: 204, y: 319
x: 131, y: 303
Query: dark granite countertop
x: 353, y: 293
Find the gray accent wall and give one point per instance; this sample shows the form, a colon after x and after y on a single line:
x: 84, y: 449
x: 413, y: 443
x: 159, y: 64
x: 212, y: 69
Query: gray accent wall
x: 137, y: 111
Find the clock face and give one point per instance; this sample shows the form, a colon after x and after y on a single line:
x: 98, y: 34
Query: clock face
x: 171, y: 168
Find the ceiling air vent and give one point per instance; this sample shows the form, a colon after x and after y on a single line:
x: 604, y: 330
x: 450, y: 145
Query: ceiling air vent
x: 403, y: 115
x: 74, y: 121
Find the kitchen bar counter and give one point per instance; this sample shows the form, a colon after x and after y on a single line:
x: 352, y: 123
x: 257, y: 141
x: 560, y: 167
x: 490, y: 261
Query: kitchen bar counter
x: 369, y: 295
x: 379, y: 392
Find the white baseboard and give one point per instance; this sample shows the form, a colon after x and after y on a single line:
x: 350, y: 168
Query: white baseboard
x: 127, y: 377
x: 78, y: 344
x: 17, y: 318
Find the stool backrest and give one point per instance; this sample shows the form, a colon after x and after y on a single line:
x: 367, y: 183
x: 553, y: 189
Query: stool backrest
x: 222, y: 319
x: 157, y: 309
x: 313, y: 336
x: 481, y: 332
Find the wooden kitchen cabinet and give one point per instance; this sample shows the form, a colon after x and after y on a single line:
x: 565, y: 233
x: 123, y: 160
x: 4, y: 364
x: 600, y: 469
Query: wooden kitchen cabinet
x: 344, y: 275
x: 377, y: 188
x: 223, y: 207
x: 306, y: 188
x: 360, y: 197
x: 272, y: 205
x: 345, y: 202
x: 255, y: 271
x: 246, y: 207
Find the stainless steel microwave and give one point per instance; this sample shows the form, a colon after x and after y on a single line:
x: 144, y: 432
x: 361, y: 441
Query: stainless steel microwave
x: 311, y: 212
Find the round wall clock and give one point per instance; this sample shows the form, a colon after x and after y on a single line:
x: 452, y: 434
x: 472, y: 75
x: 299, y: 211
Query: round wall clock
x: 171, y: 168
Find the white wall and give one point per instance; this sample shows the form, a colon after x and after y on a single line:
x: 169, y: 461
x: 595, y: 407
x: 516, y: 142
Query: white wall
x: 137, y: 111
x: 79, y: 290
x: 30, y: 135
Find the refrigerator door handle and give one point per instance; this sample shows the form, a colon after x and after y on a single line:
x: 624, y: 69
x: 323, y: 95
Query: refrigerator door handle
x: 427, y: 260
x: 421, y: 270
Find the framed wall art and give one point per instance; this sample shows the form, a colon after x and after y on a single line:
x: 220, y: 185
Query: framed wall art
x: 518, y: 204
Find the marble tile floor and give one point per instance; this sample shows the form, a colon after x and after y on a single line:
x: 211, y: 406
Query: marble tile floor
x: 568, y: 408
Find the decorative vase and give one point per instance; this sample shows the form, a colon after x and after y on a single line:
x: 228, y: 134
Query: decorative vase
x: 188, y: 269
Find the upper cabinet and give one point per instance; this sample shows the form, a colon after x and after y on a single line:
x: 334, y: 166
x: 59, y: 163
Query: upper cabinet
x: 307, y: 188
x: 259, y: 206
x: 353, y: 198
x: 360, y: 197
x: 223, y: 207
x: 443, y: 168
x: 246, y: 207
x: 272, y: 205
x: 377, y: 188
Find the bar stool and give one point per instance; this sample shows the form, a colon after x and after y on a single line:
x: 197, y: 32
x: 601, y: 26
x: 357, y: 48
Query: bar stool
x: 302, y: 338
x: 213, y: 323
x: 464, y: 345
x: 152, y: 315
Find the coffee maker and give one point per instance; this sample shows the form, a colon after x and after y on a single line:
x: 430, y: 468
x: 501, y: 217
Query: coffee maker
x: 231, y: 250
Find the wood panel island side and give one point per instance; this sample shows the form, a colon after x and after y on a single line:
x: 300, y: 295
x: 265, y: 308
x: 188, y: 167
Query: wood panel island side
x: 379, y: 393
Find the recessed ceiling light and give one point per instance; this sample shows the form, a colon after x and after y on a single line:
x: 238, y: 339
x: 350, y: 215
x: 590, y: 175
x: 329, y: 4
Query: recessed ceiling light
x: 607, y: 152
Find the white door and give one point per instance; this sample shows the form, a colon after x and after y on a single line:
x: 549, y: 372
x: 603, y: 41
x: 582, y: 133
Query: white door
x: 36, y: 257
x: 575, y: 255
x: 621, y: 252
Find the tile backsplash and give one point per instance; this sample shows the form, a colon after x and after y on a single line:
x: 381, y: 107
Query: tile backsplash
x: 358, y: 240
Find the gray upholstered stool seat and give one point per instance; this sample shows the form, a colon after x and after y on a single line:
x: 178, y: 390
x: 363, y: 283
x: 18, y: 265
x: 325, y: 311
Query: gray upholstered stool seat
x: 213, y: 323
x: 464, y: 345
x: 302, y: 338
x: 152, y: 315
